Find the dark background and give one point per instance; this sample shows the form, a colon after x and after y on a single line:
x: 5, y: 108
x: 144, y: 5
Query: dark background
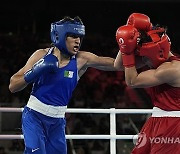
x: 99, y: 16
x: 25, y: 27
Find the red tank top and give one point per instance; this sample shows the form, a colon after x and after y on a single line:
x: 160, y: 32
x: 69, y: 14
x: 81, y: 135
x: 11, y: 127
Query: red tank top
x: 165, y: 96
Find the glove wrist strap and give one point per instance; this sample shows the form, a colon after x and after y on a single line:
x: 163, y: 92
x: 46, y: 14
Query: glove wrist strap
x: 128, y: 60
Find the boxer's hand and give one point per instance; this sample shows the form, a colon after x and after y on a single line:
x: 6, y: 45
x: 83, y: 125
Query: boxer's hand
x: 126, y: 37
x: 140, y: 21
x: 49, y: 63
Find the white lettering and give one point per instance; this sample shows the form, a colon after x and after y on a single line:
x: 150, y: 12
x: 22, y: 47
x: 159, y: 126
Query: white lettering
x: 170, y: 140
x: 177, y: 140
x: 151, y: 139
x: 164, y: 140
x: 33, y: 150
x: 157, y: 140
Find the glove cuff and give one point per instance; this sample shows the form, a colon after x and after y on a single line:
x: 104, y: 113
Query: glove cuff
x: 128, y: 60
x: 28, y: 76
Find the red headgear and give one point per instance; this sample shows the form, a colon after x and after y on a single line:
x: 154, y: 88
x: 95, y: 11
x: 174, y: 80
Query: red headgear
x: 158, y: 49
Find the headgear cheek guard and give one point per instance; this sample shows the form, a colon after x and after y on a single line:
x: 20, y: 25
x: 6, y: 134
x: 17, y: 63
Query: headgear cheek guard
x: 60, y: 30
x: 158, y: 49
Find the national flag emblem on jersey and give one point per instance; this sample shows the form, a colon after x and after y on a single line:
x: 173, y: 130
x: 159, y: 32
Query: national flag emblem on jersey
x: 68, y: 74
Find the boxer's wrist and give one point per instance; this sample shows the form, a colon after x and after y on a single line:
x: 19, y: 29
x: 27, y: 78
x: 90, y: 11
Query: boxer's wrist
x: 128, y: 60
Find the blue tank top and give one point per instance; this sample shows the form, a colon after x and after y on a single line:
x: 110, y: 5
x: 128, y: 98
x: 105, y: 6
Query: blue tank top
x: 57, y: 88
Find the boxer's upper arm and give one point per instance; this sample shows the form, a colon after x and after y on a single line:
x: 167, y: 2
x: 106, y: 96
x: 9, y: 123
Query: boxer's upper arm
x: 166, y: 73
x: 17, y: 81
x: 98, y: 62
x: 33, y: 59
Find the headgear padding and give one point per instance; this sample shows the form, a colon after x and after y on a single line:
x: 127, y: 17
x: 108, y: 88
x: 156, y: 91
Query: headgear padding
x: 158, y: 49
x: 60, y: 30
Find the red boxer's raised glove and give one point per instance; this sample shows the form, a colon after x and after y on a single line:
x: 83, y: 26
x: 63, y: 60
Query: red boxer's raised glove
x: 126, y: 37
x: 140, y: 21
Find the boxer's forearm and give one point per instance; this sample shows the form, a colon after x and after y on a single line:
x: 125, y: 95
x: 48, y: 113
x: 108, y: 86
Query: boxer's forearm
x: 17, y: 83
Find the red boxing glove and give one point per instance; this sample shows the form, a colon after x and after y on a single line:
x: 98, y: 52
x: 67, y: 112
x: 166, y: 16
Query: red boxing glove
x: 140, y: 21
x: 126, y: 37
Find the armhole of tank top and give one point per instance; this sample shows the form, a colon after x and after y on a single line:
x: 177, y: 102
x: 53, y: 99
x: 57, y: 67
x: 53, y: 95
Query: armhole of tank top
x: 76, y: 67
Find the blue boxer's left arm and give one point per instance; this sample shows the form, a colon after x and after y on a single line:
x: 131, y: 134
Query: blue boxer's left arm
x: 48, y: 63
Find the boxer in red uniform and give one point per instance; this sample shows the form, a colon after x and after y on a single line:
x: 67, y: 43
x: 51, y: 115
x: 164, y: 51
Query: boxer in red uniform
x: 161, y: 132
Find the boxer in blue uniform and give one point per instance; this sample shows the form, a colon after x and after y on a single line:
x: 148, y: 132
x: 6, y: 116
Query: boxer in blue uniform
x: 55, y: 72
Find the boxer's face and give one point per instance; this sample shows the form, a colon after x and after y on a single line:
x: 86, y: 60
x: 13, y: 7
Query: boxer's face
x: 73, y: 44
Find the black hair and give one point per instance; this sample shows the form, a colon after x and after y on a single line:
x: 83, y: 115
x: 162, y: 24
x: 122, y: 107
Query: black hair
x: 76, y: 20
x: 145, y: 38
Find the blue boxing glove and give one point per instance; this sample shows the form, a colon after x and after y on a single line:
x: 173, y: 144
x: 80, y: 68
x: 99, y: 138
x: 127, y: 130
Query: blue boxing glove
x: 49, y: 63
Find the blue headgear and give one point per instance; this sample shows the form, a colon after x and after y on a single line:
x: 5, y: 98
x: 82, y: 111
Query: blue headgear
x: 60, y: 30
